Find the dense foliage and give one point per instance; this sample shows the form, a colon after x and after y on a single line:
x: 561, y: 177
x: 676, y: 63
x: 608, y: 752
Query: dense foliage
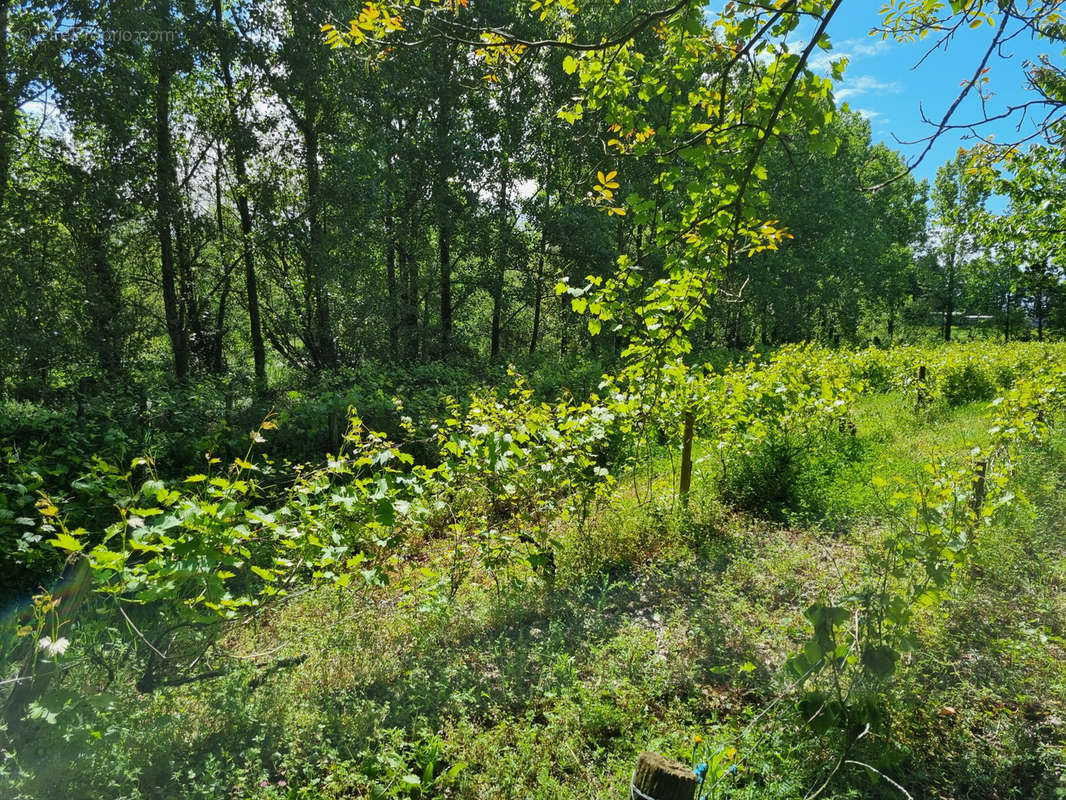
x: 338, y: 344
x: 152, y: 596
x: 209, y: 185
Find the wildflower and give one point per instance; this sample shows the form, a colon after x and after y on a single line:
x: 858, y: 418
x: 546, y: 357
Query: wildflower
x: 701, y: 771
x: 53, y: 649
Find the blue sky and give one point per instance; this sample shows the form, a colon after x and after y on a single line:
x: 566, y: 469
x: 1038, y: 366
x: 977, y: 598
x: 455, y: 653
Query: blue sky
x: 884, y: 84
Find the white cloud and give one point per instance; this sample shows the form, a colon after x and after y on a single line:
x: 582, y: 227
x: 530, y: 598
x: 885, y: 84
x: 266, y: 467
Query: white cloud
x: 865, y: 84
x: 851, y: 49
x: 823, y: 62
x: 863, y: 47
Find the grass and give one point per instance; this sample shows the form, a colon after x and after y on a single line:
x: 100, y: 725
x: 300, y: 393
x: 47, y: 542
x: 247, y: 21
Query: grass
x: 660, y: 629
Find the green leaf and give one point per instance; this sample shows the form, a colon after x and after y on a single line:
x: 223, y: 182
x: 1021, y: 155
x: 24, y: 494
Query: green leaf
x: 880, y: 660
x: 64, y: 541
x: 265, y: 574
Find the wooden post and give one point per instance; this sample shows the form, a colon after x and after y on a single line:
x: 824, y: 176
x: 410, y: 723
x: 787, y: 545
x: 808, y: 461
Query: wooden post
x: 657, y: 778
x: 921, y: 387
x: 978, y: 498
x: 686, y: 457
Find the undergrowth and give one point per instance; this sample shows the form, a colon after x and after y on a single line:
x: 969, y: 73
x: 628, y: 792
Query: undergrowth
x: 661, y: 625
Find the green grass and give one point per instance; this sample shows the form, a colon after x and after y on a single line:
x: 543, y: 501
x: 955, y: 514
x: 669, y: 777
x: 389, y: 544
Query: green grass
x: 660, y: 627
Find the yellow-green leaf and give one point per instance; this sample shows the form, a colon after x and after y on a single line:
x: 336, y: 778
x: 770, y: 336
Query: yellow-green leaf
x: 64, y: 541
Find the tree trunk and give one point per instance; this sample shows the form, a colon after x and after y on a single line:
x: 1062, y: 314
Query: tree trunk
x: 542, y: 250
x: 240, y: 169
x: 537, y: 290
x: 306, y: 74
x: 1006, y: 318
x: 217, y: 363
x: 564, y: 310
x: 165, y: 213
x: 1040, y: 301
x: 390, y: 284
x: 949, y: 307
x: 325, y: 355
x: 8, y: 103
x: 189, y: 309
x: 409, y: 267
x: 501, y: 257
x: 686, y: 457
x: 106, y: 306
x: 502, y: 233
x: 217, y: 335
x: 445, y: 259
x: 443, y: 173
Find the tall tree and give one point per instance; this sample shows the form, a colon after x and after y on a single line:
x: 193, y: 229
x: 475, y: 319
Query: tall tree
x: 1028, y: 239
x: 238, y: 145
x: 168, y: 218
x: 957, y: 203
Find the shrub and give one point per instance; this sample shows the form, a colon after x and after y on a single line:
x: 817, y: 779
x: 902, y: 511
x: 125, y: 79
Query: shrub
x: 969, y: 383
x: 787, y: 477
x: 762, y: 479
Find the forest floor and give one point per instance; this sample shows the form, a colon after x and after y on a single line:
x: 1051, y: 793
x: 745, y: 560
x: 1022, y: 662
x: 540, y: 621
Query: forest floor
x: 661, y: 629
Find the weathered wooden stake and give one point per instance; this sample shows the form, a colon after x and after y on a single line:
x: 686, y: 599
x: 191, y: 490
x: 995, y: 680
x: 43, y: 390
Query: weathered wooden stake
x: 978, y: 499
x: 921, y: 387
x: 657, y: 778
x: 686, y: 457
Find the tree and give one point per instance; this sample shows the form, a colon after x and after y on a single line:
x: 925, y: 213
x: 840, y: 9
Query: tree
x: 238, y: 141
x: 1029, y: 238
x: 957, y: 203
x: 851, y: 251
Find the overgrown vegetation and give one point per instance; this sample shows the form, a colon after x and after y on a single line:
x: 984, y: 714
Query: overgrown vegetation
x: 483, y: 623
x: 457, y: 401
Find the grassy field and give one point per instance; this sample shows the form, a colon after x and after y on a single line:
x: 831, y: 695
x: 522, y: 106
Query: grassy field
x: 661, y: 628
x: 658, y: 625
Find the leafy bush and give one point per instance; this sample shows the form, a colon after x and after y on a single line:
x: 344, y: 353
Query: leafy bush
x: 968, y: 383
x: 763, y: 479
x: 786, y: 478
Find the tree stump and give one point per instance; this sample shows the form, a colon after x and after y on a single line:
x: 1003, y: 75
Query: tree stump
x: 658, y: 778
